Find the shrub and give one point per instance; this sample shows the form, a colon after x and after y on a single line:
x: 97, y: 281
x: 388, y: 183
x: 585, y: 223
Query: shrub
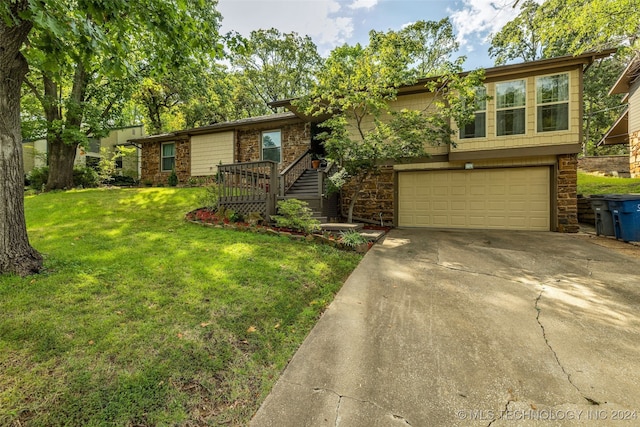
x: 254, y: 218
x: 123, y: 180
x: 38, y: 177
x: 209, y: 197
x: 352, y: 238
x: 173, y: 178
x: 233, y: 216
x: 85, y: 177
x: 295, y: 214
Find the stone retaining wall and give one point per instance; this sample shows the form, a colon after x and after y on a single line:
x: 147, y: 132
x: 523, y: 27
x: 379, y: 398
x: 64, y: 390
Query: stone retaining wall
x: 608, y: 165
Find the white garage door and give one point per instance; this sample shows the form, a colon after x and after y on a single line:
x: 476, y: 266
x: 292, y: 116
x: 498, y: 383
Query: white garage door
x: 513, y: 199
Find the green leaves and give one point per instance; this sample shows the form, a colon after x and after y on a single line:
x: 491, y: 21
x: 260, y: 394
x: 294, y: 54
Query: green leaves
x: 357, y: 87
x: 271, y: 65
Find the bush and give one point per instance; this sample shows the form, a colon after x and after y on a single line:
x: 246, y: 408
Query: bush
x: 123, y: 180
x: 173, y: 179
x: 85, y: 177
x: 296, y: 215
x: 209, y: 197
x: 38, y: 178
x: 352, y: 238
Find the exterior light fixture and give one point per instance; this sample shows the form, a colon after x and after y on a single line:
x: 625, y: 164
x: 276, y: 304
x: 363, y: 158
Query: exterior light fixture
x: 468, y: 165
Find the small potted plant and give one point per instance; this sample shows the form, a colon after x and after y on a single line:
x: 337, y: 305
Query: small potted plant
x: 315, y: 161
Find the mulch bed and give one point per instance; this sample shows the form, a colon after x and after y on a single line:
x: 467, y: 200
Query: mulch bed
x: 208, y: 218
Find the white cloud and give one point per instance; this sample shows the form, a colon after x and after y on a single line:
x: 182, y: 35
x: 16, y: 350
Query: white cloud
x: 323, y: 20
x: 408, y: 24
x: 363, y: 4
x: 477, y: 19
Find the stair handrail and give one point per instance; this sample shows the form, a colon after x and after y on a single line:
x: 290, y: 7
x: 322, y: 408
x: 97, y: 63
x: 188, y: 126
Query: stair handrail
x: 294, y: 171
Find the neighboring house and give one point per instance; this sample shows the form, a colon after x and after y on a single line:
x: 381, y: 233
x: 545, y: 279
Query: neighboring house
x: 514, y: 167
x: 35, y: 152
x: 626, y: 130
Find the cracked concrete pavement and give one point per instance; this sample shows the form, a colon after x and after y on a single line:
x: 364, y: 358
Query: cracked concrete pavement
x: 480, y: 328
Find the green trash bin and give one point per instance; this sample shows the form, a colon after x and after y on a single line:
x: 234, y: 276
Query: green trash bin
x: 604, y: 220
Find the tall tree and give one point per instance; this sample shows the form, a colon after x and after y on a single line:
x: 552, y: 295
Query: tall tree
x: 559, y: 27
x: 87, y: 56
x: 356, y: 88
x: 72, y: 45
x: 591, y: 24
x: 520, y: 37
x: 16, y: 254
x: 271, y: 65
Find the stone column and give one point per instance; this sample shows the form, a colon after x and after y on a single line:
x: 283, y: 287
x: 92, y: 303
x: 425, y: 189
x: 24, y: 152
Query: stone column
x: 566, y: 193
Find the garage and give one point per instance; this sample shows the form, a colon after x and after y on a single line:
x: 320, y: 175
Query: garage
x: 507, y: 198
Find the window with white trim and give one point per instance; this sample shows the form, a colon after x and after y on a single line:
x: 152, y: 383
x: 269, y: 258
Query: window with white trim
x: 510, y: 107
x: 552, y: 102
x: 478, y: 127
x: 168, y: 154
x: 271, y: 145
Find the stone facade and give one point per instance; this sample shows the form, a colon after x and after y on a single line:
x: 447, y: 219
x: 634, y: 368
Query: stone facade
x: 295, y: 138
x: 376, y: 196
x: 608, y: 165
x: 150, y: 165
x: 634, y: 154
x: 566, y: 193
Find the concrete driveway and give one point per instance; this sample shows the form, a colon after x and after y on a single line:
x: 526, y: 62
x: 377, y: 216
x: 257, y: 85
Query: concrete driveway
x: 446, y: 328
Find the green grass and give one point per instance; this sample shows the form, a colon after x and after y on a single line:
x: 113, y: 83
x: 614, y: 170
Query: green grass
x: 589, y: 184
x: 144, y: 319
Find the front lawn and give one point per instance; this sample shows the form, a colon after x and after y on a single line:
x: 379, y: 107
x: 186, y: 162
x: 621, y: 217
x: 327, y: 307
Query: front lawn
x: 144, y: 319
x: 589, y: 184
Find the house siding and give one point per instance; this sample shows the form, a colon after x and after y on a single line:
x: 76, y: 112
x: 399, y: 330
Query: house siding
x: 208, y: 151
x: 634, y: 107
x: 417, y: 101
x: 531, y: 138
x: 634, y: 154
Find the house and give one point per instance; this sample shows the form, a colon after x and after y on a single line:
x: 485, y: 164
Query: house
x: 35, y: 152
x: 626, y: 130
x: 514, y: 167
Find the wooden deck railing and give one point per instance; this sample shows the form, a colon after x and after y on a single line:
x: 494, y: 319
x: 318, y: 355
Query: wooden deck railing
x: 249, y: 187
x: 291, y: 174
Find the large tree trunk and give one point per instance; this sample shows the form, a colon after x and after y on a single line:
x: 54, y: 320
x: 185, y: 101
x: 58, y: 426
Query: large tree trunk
x: 61, y: 157
x: 62, y: 154
x: 16, y: 254
x: 356, y: 194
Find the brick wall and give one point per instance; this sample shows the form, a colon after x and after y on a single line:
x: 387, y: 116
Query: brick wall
x: 567, y: 198
x: 296, y: 139
x: 608, y: 165
x: 150, y: 163
x: 376, y: 196
x: 634, y: 154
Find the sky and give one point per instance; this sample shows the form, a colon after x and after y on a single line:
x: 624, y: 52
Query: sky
x: 332, y: 23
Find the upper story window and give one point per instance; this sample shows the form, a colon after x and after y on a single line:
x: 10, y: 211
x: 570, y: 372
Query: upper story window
x: 510, y: 107
x: 168, y: 153
x: 478, y: 127
x: 552, y: 102
x: 271, y: 145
